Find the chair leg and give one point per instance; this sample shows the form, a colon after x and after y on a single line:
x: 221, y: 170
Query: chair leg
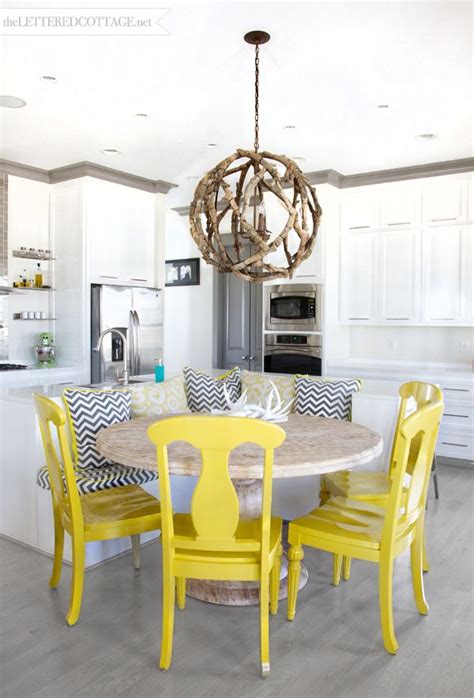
x: 346, y: 567
x: 295, y: 555
x: 324, y: 493
x: 275, y: 582
x: 58, y: 549
x: 386, y: 603
x: 425, y: 558
x: 434, y: 472
x: 181, y: 592
x: 168, y: 621
x: 136, y: 550
x: 264, y: 627
x: 77, y: 581
x: 336, y: 569
x: 416, y: 556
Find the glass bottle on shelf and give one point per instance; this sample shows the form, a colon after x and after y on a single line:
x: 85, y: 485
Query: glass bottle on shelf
x: 38, y: 281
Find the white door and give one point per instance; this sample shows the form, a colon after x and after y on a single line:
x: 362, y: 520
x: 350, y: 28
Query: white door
x: 445, y: 255
x: 399, y: 275
x: 358, y: 276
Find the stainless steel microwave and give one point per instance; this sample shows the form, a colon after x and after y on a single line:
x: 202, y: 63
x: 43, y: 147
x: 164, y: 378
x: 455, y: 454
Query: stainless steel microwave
x: 293, y: 307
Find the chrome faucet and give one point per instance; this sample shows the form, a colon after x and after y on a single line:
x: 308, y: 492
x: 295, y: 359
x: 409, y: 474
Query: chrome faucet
x: 114, y: 330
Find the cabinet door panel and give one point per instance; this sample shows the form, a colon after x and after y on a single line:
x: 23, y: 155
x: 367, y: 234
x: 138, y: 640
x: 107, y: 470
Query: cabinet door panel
x: 358, y: 276
x: 444, y: 200
x: 400, y: 205
x: 137, y: 252
x: 105, y: 226
x: 359, y: 210
x: 399, y: 277
x: 445, y: 255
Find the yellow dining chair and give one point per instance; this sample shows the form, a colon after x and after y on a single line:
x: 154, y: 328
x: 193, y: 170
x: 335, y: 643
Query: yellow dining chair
x: 112, y: 513
x: 373, y: 486
x: 360, y: 529
x: 213, y: 542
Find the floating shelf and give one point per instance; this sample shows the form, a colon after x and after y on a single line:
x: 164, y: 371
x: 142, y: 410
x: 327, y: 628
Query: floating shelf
x: 31, y: 288
x: 16, y: 253
x: 17, y: 316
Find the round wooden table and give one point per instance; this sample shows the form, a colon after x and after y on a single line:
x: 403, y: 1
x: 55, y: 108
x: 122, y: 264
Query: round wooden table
x: 313, y: 446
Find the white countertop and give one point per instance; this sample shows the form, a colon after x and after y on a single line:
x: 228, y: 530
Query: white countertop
x: 401, y: 370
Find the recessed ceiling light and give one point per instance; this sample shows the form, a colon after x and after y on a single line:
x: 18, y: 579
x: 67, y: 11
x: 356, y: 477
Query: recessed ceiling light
x: 289, y: 126
x: 211, y: 145
x: 48, y: 78
x: 382, y: 106
x: 425, y: 136
x: 110, y: 151
x: 141, y: 114
x: 298, y: 157
x: 11, y: 102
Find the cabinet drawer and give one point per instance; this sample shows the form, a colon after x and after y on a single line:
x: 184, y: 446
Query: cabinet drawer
x: 458, y: 415
x: 455, y: 445
x: 457, y: 391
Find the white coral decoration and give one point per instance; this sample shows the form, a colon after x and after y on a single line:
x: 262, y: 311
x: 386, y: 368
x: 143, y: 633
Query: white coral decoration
x: 273, y: 411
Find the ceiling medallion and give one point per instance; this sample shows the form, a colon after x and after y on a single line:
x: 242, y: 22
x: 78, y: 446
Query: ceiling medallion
x: 231, y: 199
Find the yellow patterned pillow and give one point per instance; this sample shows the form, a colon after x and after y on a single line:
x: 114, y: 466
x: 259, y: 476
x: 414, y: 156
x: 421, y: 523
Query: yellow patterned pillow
x: 159, y: 398
x: 258, y: 387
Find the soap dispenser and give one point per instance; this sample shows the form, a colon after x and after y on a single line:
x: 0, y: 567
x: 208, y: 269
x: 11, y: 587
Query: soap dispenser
x: 159, y: 372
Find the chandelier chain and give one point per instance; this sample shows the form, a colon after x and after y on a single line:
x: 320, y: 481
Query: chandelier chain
x: 257, y: 88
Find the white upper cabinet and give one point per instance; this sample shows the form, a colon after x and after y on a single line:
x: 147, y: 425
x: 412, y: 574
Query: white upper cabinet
x: 399, y: 275
x: 120, y: 234
x: 445, y: 200
x: 445, y: 256
x: 399, y: 205
x: 359, y: 272
x: 406, y: 253
x: 137, y: 265
x: 359, y: 209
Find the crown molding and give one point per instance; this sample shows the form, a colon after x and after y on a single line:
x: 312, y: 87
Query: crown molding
x: 85, y: 169
x: 397, y: 174
x: 17, y: 169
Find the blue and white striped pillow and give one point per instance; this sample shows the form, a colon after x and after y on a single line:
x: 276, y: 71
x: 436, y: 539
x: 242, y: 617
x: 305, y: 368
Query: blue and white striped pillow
x: 205, y: 393
x: 90, y: 411
x: 325, y: 398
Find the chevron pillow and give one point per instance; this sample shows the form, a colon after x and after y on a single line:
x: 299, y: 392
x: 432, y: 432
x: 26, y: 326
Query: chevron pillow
x: 89, y: 412
x: 205, y: 393
x: 325, y: 398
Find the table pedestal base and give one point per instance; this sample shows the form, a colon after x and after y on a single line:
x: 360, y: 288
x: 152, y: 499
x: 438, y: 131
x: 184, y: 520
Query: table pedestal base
x: 239, y: 593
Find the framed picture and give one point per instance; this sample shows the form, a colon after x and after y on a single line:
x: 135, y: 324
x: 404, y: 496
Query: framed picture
x: 183, y: 272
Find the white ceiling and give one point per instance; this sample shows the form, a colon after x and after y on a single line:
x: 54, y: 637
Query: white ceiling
x: 327, y: 67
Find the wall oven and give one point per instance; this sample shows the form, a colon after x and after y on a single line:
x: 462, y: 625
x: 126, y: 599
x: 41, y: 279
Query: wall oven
x: 293, y: 353
x: 293, y: 307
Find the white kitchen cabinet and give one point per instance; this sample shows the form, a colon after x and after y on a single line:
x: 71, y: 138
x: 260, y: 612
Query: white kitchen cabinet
x: 359, y: 209
x: 137, y: 260
x: 399, y: 205
x: 399, y: 275
x: 120, y: 233
x: 445, y: 258
x: 445, y: 200
x: 358, y: 276
x: 105, y: 230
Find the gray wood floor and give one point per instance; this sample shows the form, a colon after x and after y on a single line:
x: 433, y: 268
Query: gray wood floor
x: 332, y: 649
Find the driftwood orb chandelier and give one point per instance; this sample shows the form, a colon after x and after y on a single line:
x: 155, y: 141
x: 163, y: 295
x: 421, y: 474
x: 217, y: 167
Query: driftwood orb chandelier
x: 230, y: 201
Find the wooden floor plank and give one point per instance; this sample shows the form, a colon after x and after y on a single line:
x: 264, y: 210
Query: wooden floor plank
x: 333, y: 649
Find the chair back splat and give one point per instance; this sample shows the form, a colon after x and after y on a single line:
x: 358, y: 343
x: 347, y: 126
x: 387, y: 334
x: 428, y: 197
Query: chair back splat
x: 63, y: 489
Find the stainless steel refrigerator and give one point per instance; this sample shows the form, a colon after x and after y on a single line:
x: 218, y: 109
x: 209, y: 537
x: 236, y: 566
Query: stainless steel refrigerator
x: 138, y: 312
